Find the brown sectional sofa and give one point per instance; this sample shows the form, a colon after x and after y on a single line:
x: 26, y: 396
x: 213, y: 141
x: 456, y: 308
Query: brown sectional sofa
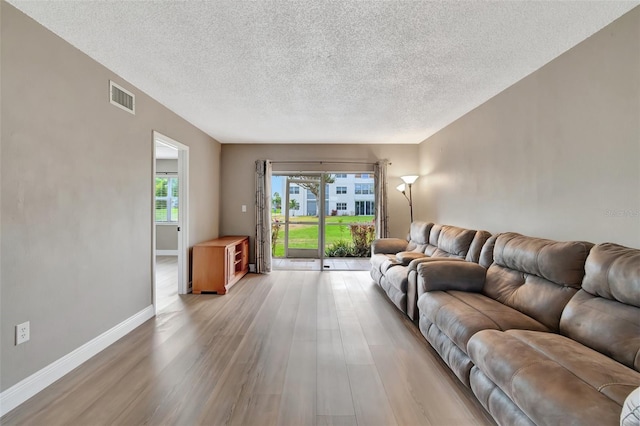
x: 394, y: 261
x: 526, y: 287
x: 579, y: 375
x: 543, y: 332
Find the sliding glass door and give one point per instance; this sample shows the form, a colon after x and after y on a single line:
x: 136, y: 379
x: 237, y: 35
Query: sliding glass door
x: 335, y: 232
x: 302, y: 217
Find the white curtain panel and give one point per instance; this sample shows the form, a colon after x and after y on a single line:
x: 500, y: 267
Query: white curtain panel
x: 263, y: 216
x: 382, y: 215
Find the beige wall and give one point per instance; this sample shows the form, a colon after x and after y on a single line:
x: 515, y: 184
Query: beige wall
x: 556, y: 155
x: 238, y: 177
x: 76, y: 213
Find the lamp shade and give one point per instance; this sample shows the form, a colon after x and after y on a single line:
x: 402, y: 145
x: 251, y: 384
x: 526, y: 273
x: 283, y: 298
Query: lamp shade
x: 409, y: 179
x: 400, y: 187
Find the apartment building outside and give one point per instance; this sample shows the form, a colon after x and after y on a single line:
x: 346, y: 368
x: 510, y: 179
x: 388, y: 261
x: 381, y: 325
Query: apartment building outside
x: 351, y: 194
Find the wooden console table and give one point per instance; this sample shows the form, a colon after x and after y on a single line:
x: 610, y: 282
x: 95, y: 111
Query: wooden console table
x: 218, y: 264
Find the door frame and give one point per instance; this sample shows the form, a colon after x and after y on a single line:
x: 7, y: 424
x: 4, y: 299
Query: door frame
x: 183, y: 216
x: 320, y: 209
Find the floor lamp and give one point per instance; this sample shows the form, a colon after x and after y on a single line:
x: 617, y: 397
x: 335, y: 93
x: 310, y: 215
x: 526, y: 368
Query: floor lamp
x: 408, y: 181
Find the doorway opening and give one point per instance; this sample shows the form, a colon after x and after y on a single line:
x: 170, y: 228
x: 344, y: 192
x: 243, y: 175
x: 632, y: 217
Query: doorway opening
x: 322, y: 221
x: 170, y: 220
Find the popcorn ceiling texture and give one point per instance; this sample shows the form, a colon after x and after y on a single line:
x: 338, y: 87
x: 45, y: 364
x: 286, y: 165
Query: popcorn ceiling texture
x: 323, y: 71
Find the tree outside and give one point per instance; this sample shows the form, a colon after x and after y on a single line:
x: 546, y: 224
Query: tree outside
x: 294, y: 206
x: 276, y: 201
x: 314, y: 187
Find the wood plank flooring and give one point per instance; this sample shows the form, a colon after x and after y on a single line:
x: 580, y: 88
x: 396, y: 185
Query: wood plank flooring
x: 166, y: 280
x: 289, y: 348
x: 330, y: 264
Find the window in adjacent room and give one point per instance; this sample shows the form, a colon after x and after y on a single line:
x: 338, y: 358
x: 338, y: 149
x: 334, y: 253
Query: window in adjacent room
x: 166, y: 199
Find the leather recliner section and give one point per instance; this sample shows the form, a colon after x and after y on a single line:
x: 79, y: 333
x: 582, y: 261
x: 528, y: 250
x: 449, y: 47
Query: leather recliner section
x: 582, y: 373
x: 397, y: 275
x: 507, y: 298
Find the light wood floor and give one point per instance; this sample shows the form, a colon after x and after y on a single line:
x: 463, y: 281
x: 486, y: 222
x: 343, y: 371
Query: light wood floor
x: 289, y: 348
x: 166, y: 280
x: 330, y: 264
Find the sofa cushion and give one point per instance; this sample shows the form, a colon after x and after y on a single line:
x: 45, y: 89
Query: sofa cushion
x: 605, y: 315
x: 419, y: 236
x: 536, y: 276
x: 377, y: 260
x: 459, y: 315
x: 559, y: 262
x: 606, y: 326
x: 451, y: 354
x: 405, y: 257
x: 476, y: 246
x: 388, y: 245
x: 432, y: 242
x: 613, y: 272
x: 397, y: 277
x: 454, y: 241
x: 486, y: 254
x: 553, y: 379
x: 496, y: 402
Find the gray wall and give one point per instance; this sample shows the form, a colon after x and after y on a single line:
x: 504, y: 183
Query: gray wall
x: 238, y: 177
x: 76, y: 208
x: 166, y: 235
x: 556, y: 155
x: 166, y: 165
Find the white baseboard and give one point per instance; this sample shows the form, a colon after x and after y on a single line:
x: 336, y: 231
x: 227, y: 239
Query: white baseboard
x: 25, y: 389
x: 166, y: 252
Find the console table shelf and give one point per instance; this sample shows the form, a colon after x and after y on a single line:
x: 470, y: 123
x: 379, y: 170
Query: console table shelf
x: 218, y: 264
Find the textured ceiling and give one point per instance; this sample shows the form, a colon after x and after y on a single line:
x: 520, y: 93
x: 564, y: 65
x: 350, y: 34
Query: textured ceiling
x: 323, y: 71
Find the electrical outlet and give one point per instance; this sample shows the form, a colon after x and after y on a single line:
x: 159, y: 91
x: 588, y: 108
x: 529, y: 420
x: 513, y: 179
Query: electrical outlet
x: 244, y: 208
x: 22, y: 333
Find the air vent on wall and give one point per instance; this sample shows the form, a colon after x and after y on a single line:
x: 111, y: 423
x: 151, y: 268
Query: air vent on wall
x: 122, y: 98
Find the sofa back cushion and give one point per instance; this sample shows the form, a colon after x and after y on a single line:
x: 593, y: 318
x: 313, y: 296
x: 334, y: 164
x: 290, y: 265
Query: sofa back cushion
x: 432, y: 244
x: 536, y: 276
x: 479, y: 239
x: 486, y: 254
x: 452, y: 242
x: 605, y: 314
x: 419, y: 236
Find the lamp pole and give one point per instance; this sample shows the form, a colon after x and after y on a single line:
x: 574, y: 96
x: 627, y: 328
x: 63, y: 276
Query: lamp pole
x: 410, y: 203
x: 408, y: 181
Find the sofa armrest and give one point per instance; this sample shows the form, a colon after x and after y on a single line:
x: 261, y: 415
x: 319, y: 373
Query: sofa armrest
x: 413, y: 265
x: 388, y: 245
x: 450, y: 275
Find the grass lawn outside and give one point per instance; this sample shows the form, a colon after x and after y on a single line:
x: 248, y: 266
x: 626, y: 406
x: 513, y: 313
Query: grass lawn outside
x: 306, y: 236
x: 161, y: 215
